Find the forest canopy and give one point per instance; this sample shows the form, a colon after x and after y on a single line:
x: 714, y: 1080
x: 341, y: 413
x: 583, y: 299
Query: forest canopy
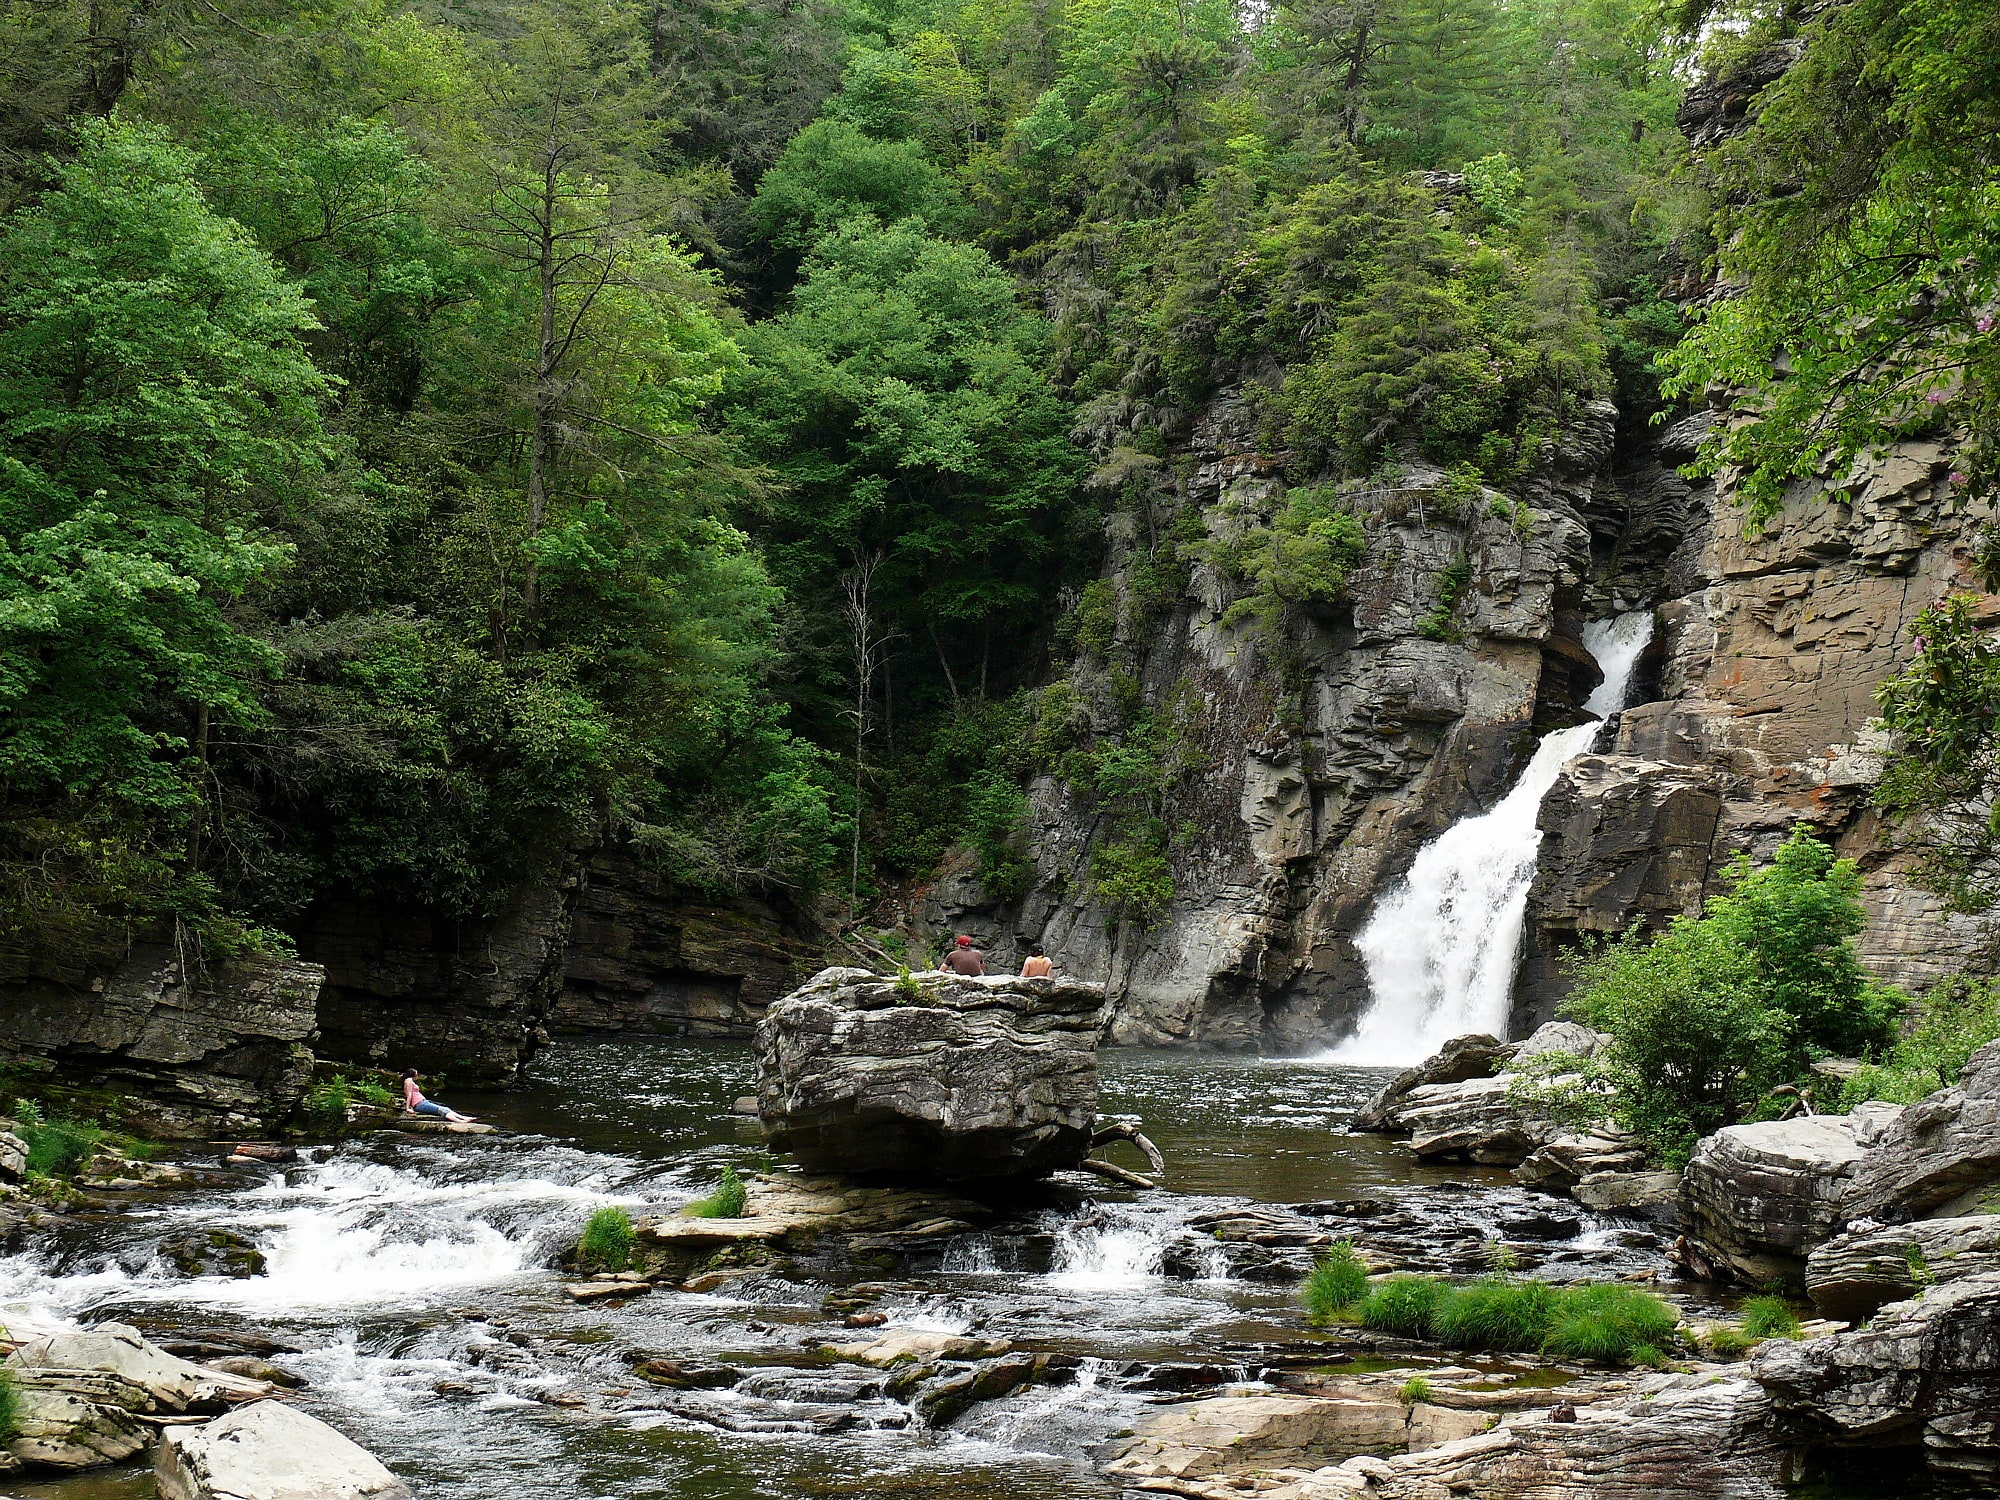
x: 438, y: 438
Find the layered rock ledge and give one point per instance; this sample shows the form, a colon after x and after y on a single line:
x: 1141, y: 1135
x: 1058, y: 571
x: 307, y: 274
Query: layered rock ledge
x: 938, y: 1076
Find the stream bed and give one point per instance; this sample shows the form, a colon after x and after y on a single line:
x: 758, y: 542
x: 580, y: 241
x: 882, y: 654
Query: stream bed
x: 412, y: 1283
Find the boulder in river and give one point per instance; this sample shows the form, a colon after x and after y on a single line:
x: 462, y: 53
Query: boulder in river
x: 1461, y: 1058
x: 64, y: 1419
x: 1925, y: 1370
x: 163, y: 1382
x: 1759, y: 1197
x: 1940, y: 1151
x: 269, y: 1451
x: 945, y: 1076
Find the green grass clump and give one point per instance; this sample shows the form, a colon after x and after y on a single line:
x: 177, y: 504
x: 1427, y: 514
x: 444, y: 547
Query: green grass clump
x: 57, y: 1148
x: 1770, y: 1318
x: 608, y: 1239
x: 1610, y: 1323
x: 1729, y: 1342
x: 1497, y: 1312
x: 1415, y: 1389
x: 1337, y: 1282
x: 726, y: 1202
x: 1403, y: 1305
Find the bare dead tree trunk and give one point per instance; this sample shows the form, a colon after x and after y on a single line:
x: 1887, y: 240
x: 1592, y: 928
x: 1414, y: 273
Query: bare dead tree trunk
x: 866, y: 642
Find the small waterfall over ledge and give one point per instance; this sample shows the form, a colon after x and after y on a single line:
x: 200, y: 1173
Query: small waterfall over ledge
x: 1442, y: 947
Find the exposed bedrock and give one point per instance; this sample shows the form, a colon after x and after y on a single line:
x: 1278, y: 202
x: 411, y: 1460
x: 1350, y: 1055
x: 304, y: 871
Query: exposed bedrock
x: 945, y: 1077
x: 223, y: 1051
x: 1942, y: 1155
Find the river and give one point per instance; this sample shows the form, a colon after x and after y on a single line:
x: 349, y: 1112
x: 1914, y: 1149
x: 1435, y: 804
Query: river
x: 411, y: 1284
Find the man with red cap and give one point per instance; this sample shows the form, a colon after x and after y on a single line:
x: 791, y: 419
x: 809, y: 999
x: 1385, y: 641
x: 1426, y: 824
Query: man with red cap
x: 963, y: 958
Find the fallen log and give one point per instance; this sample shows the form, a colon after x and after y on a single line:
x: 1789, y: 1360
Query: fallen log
x: 1116, y: 1173
x: 1118, y: 1130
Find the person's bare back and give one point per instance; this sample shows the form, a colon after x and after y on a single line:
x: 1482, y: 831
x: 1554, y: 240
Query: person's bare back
x: 963, y: 958
x: 1037, y: 966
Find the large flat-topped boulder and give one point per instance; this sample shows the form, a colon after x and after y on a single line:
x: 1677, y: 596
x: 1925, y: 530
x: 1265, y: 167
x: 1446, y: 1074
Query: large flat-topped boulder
x: 1940, y: 1152
x: 942, y: 1076
x: 1758, y: 1197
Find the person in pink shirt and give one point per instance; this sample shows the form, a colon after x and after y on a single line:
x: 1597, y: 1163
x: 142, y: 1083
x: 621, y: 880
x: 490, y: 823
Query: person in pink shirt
x: 415, y: 1103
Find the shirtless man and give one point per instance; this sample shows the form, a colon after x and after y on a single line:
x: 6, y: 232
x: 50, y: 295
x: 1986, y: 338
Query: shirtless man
x: 963, y: 958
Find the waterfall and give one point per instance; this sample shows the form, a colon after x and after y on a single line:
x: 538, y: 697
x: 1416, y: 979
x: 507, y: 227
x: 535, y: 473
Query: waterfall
x: 1442, y: 947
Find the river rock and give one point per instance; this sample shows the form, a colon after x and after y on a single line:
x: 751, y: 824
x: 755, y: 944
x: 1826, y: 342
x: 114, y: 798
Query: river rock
x: 1923, y: 1370
x: 1759, y: 1197
x: 1853, y: 1274
x: 13, y: 1153
x: 1652, y: 1196
x: 1568, y: 1159
x: 169, y: 1383
x: 269, y: 1451
x: 1939, y: 1149
x: 1569, y: 1038
x: 973, y: 1078
x: 213, y: 1252
x: 67, y: 1423
x: 1461, y: 1058
x: 1479, y: 1120
x: 1231, y: 1432
x: 920, y: 1346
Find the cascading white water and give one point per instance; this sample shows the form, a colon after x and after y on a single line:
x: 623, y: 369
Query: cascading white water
x: 1442, y: 947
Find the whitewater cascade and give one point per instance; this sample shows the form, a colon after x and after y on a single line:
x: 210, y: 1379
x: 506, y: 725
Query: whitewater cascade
x: 1442, y: 947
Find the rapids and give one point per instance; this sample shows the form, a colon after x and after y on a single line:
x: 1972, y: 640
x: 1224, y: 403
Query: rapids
x: 412, y: 1283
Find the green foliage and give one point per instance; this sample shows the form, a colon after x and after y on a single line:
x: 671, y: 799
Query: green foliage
x: 1921, y: 1274
x: 1337, y: 1281
x: 905, y: 987
x: 726, y: 1202
x: 1131, y: 876
x: 1944, y: 766
x: 1603, y: 1321
x: 1857, y: 217
x: 1301, y: 560
x: 832, y: 174
x: 608, y: 1240
x: 996, y: 828
x: 1441, y: 624
x: 368, y: 1091
x: 1729, y: 1343
x: 1949, y: 1024
x: 58, y: 1148
x: 1717, y: 1010
x: 1769, y: 1318
x: 330, y: 1097
x: 10, y: 1408
x: 1413, y: 1390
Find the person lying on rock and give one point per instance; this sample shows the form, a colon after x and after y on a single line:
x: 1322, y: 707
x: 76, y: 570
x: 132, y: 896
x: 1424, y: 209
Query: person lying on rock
x: 963, y: 958
x: 415, y: 1103
x: 1037, y: 964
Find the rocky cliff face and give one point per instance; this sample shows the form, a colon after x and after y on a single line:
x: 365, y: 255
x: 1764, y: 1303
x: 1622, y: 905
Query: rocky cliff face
x: 1325, y: 760
x: 220, y: 1052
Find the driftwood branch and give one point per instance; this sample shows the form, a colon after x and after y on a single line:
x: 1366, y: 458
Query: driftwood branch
x: 1115, y: 1172
x: 1118, y: 1130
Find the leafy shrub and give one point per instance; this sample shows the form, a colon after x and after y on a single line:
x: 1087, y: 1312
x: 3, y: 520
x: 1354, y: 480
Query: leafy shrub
x: 368, y: 1091
x: 1338, y: 1281
x: 1496, y: 1312
x: 56, y: 1148
x: 1301, y: 560
x: 995, y: 827
x: 1710, y: 1015
x: 1134, y: 882
x: 1441, y: 624
x: 1097, y: 616
x: 905, y: 987
x: 1406, y: 1306
x: 1415, y: 1389
x: 1610, y: 1323
x: 1952, y: 1022
x: 608, y: 1240
x: 330, y: 1097
x: 726, y: 1202
x: 1769, y: 1318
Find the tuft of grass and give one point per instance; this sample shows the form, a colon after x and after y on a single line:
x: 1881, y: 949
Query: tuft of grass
x: 608, y: 1240
x: 1337, y: 1282
x: 1921, y: 1274
x: 1403, y: 1305
x: 726, y: 1202
x: 1415, y: 1389
x: 1497, y: 1312
x: 56, y: 1148
x: 1647, y: 1355
x: 1729, y: 1342
x: 1770, y: 1318
x: 1609, y: 1322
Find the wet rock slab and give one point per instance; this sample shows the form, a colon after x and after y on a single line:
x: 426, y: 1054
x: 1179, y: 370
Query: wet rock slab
x: 269, y: 1451
x: 947, y: 1077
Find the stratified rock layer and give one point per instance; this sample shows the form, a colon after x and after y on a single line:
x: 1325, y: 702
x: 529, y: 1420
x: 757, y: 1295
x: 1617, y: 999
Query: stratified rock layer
x: 222, y: 1052
x: 1853, y: 1274
x: 964, y: 1080
x: 1758, y: 1197
x: 1940, y: 1149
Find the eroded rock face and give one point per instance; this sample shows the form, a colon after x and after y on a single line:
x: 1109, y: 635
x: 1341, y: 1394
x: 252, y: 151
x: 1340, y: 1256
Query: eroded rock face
x: 1759, y: 1197
x: 1926, y: 1370
x: 1940, y: 1149
x: 969, y: 1079
x: 1853, y: 1274
x: 269, y: 1451
x: 1460, y: 1059
x: 224, y: 1053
